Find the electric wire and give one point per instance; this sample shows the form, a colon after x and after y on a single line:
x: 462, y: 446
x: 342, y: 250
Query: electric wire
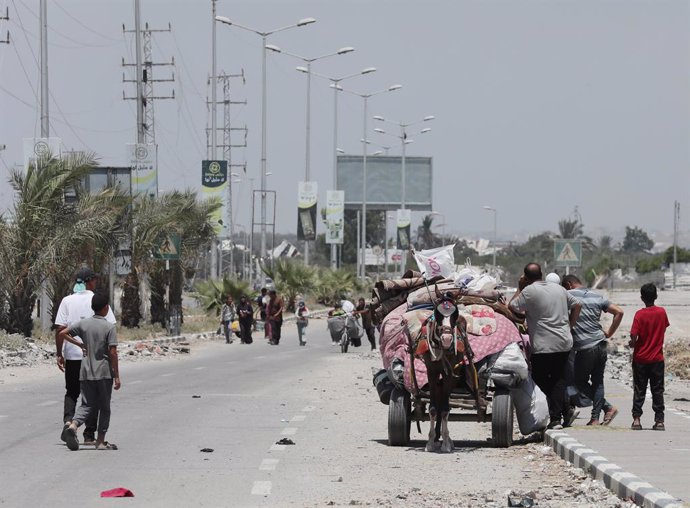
x: 84, y: 26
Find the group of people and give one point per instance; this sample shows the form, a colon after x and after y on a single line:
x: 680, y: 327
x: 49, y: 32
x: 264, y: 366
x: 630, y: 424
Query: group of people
x: 243, y: 313
x: 563, y: 316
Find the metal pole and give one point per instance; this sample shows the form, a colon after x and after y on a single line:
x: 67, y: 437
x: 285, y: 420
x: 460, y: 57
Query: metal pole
x: 334, y: 247
x: 385, y: 245
x: 263, y: 147
x: 403, y: 255
x: 215, y: 263
x: 307, y: 150
x: 364, y: 191
x: 45, y: 118
x: 359, y: 229
x: 676, y: 218
x: 494, y: 261
x: 141, y: 134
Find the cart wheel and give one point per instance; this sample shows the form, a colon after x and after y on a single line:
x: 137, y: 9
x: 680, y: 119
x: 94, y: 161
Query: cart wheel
x: 344, y: 344
x: 502, y: 418
x: 399, y: 418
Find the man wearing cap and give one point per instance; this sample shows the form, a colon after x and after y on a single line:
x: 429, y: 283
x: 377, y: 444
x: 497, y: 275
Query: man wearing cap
x: 74, y: 308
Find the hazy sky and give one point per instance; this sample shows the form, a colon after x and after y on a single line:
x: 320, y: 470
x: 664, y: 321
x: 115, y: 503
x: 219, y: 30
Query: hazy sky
x: 540, y: 105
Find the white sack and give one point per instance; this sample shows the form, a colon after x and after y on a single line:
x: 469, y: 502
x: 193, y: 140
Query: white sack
x: 509, y: 367
x: 435, y: 262
x: 531, y: 407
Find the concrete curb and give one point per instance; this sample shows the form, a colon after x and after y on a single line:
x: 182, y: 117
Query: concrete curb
x: 623, y: 484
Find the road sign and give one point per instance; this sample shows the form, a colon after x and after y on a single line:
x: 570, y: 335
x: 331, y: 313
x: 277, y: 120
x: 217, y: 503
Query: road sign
x: 169, y: 248
x: 567, y: 252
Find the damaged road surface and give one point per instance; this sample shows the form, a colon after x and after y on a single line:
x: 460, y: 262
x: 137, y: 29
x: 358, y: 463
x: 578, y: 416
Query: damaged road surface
x: 254, y: 401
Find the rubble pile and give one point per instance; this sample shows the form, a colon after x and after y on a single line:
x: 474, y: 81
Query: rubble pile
x: 141, y: 350
x: 18, y: 351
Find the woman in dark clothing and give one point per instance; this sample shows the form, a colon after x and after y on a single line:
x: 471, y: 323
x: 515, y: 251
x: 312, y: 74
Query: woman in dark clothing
x: 246, y: 317
x: 368, y: 326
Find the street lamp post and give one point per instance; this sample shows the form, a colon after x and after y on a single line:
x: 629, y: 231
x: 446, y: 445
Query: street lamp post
x: 495, y: 212
x: 404, y: 142
x: 264, y: 36
x: 335, y: 85
x: 309, y: 61
x: 365, y: 98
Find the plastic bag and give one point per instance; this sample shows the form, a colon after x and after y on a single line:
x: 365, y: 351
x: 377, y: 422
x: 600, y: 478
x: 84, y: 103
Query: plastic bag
x: 235, y: 326
x: 531, y: 407
x: 435, y: 262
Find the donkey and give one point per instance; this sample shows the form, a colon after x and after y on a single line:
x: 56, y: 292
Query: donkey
x: 448, y: 350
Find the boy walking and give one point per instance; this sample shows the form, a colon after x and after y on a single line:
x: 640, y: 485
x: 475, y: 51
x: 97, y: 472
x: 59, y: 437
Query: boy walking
x: 99, y: 371
x: 647, y: 340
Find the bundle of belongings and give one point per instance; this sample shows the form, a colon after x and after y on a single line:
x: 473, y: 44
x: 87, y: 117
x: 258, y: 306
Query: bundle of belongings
x: 338, y: 324
x: 403, y: 307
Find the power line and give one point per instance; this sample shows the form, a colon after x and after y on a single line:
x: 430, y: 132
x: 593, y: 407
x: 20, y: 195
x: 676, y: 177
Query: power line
x: 32, y: 106
x: 84, y: 26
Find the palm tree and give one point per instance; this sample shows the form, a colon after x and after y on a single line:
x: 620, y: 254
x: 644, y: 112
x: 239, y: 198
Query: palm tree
x: 151, y: 221
x: 426, y: 238
x: 213, y: 293
x: 334, y: 285
x: 46, y: 236
x: 570, y: 228
x: 291, y: 279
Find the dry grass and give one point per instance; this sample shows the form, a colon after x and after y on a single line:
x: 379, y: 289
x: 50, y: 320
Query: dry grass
x: 677, y: 356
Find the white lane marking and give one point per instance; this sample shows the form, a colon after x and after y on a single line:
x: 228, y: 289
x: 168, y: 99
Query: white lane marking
x: 4, y: 416
x: 277, y: 448
x: 298, y: 418
x: 268, y: 464
x: 261, y: 488
x: 134, y: 382
x: 166, y: 375
x: 47, y: 403
x: 199, y: 368
x: 228, y: 395
x: 259, y: 357
x: 289, y: 431
x: 674, y: 449
x: 308, y: 409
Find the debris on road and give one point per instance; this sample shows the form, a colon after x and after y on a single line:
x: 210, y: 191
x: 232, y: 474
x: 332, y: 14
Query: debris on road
x: 206, y: 450
x: 117, y: 492
x: 285, y: 441
x: 196, y: 396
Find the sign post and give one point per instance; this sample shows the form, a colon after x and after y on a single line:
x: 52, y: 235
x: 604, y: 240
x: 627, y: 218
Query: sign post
x: 567, y: 253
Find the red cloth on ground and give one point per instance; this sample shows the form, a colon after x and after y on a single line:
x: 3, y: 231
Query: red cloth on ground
x: 118, y: 492
x: 650, y: 326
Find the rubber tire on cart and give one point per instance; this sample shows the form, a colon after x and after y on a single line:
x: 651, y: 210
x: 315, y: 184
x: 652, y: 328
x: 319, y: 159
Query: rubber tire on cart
x: 344, y: 343
x: 502, y: 418
x: 399, y: 417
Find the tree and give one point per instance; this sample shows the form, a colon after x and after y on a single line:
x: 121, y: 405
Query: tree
x: 48, y: 235
x: 426, y: 238
x: 213, y: 293
x: 636, y: 240
x: 333, y: 286
x: 570, y: 228
x: 291, y: 279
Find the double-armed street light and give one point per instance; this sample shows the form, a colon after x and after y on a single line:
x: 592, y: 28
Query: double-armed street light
x: 365, y: 97
x: 309, y: 61
x: 264, y: 36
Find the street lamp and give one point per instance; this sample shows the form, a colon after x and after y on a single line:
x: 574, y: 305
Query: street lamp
x: 369, y: 142
x: 335, y: 85
x: 307, y: 158
x: 365, y: 98
x: 404, y: 142
x: 495, y: 212
x: 264, y: 35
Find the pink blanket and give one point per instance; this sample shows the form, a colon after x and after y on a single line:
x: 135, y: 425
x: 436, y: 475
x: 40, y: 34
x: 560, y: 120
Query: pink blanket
x: 394, y: 342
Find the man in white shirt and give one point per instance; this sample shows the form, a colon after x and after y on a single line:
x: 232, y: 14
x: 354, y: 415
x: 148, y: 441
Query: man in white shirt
x: 74, y: 308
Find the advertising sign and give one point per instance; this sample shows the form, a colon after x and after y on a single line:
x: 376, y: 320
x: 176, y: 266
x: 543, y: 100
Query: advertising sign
x: 306, y: 210
x: 335, y: 216
x: 214, y: 182
x: 35, y: 148
x: 404, y: 223
x: 143, y: 161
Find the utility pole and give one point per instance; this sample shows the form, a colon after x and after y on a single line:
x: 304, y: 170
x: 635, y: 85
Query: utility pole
x: 6, y: 17
x: 145, y: 82
x: 676, y: 221
x: 227, y: 145
x: 45, y: 129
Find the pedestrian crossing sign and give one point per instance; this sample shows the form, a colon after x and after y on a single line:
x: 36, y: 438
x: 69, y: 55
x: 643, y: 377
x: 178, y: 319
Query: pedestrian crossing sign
x: 168, y: 248
x: 567, y: 252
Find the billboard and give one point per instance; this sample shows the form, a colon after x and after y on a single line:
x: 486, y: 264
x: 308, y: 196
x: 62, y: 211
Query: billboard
x: 384, y: 182
x: 306, y: 210
x: 214, y: 181
x: 335, y: 217
x: 404, y: 220
x: 143, y: 161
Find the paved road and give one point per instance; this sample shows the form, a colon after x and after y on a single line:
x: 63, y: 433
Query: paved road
x: 252, y: 396
x: 245, y: 395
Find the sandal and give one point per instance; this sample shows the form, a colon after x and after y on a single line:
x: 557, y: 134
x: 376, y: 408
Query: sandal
x: 610, y: 415
x: 69, y: 436
x: 107, y: 446
x: 658, y: 426
x: 636, y: 426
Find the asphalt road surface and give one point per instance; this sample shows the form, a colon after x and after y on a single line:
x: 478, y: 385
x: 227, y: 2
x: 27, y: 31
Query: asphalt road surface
x: 250, y: 397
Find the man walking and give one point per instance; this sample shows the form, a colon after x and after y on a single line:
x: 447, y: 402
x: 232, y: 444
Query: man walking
x: 274, y: 312
x: 589, y: 343
x: 551, y: 312
x: 73, y: 308
x: 99, y: 371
